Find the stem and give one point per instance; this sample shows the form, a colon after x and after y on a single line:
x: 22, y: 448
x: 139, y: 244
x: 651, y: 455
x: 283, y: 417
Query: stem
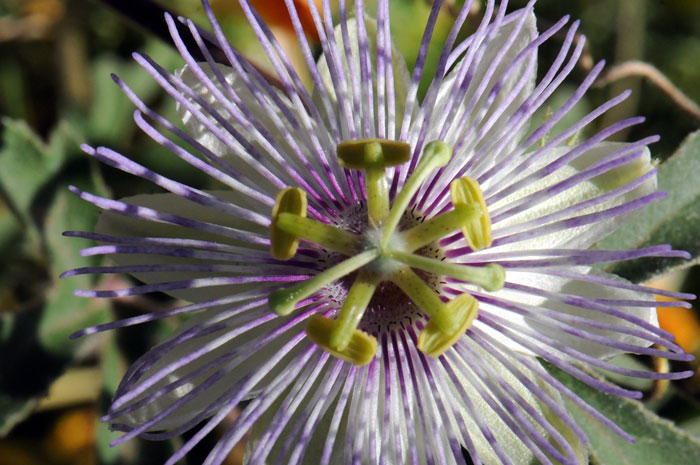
x: 319, y: 233
x: 657, y: 78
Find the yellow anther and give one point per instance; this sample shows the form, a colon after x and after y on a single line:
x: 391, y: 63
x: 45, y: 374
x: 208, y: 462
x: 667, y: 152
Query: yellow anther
x: 353, y: 154
x: 283, y: 245
x: 464, y: 192
x: 432, y: 341
x: 360, y: 349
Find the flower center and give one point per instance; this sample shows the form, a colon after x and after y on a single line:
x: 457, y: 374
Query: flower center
x: 384, y: 256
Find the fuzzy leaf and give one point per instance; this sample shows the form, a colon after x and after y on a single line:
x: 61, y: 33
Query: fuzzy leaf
x: 657, y: 439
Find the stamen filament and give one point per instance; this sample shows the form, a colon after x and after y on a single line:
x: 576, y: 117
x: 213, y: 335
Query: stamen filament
x: 425, y: 298
x: 490, y: 277
x: 353, y: 308
x: 319, y: 233
x: 435, y: 155
x: 282, y: 301
x: 375, y: 183
x: 439, y: 226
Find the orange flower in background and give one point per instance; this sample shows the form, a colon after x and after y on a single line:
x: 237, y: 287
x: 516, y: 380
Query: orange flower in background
x: 682, y: 323
x: 275, y: 14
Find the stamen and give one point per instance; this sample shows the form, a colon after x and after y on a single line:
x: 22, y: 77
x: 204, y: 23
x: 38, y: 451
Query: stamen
x: 353, y: 308
x: 360, y: 350
x: 435, y: 155
x: 448, y: 322
x: 433, y: 342
x: 469, y: 209
x: 425, y: 298
x: 283, y: 245
x: 282, y: 301
x: 490, y: 277
x: 466, y: 191
x: 373, y: 156
x: 341, y: 337
x: 439, y: 226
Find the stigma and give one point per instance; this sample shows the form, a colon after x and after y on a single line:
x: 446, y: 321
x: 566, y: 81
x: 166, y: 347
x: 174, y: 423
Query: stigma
x: 385, y: 253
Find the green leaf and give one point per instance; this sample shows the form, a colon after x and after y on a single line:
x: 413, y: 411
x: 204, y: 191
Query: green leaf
x: 28, y: 163
x: 674, y: 220
x: 692, y: 425
x: 109, y: 120
x: 64, y: 313
x: 12, y: 412
x: 657, y: 439
x: 34, y: 339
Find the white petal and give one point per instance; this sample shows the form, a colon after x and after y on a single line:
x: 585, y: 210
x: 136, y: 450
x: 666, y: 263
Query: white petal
x: 313, y: 450
x: 252, y: 110
x: 118, y: 225
x: 511, y: 444
x: 580, y: 237
x: 556, y: 285
x: 580, y: 449
x: 252, y: 362
x: 595, y: 291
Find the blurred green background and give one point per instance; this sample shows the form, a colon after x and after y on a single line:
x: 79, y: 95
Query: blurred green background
x: 56, y: 57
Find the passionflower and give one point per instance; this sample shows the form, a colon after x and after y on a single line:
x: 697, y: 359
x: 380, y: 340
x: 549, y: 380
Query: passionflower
x: 378, y: 274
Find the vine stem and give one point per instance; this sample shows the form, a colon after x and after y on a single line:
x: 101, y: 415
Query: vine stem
x: 655, y: 77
